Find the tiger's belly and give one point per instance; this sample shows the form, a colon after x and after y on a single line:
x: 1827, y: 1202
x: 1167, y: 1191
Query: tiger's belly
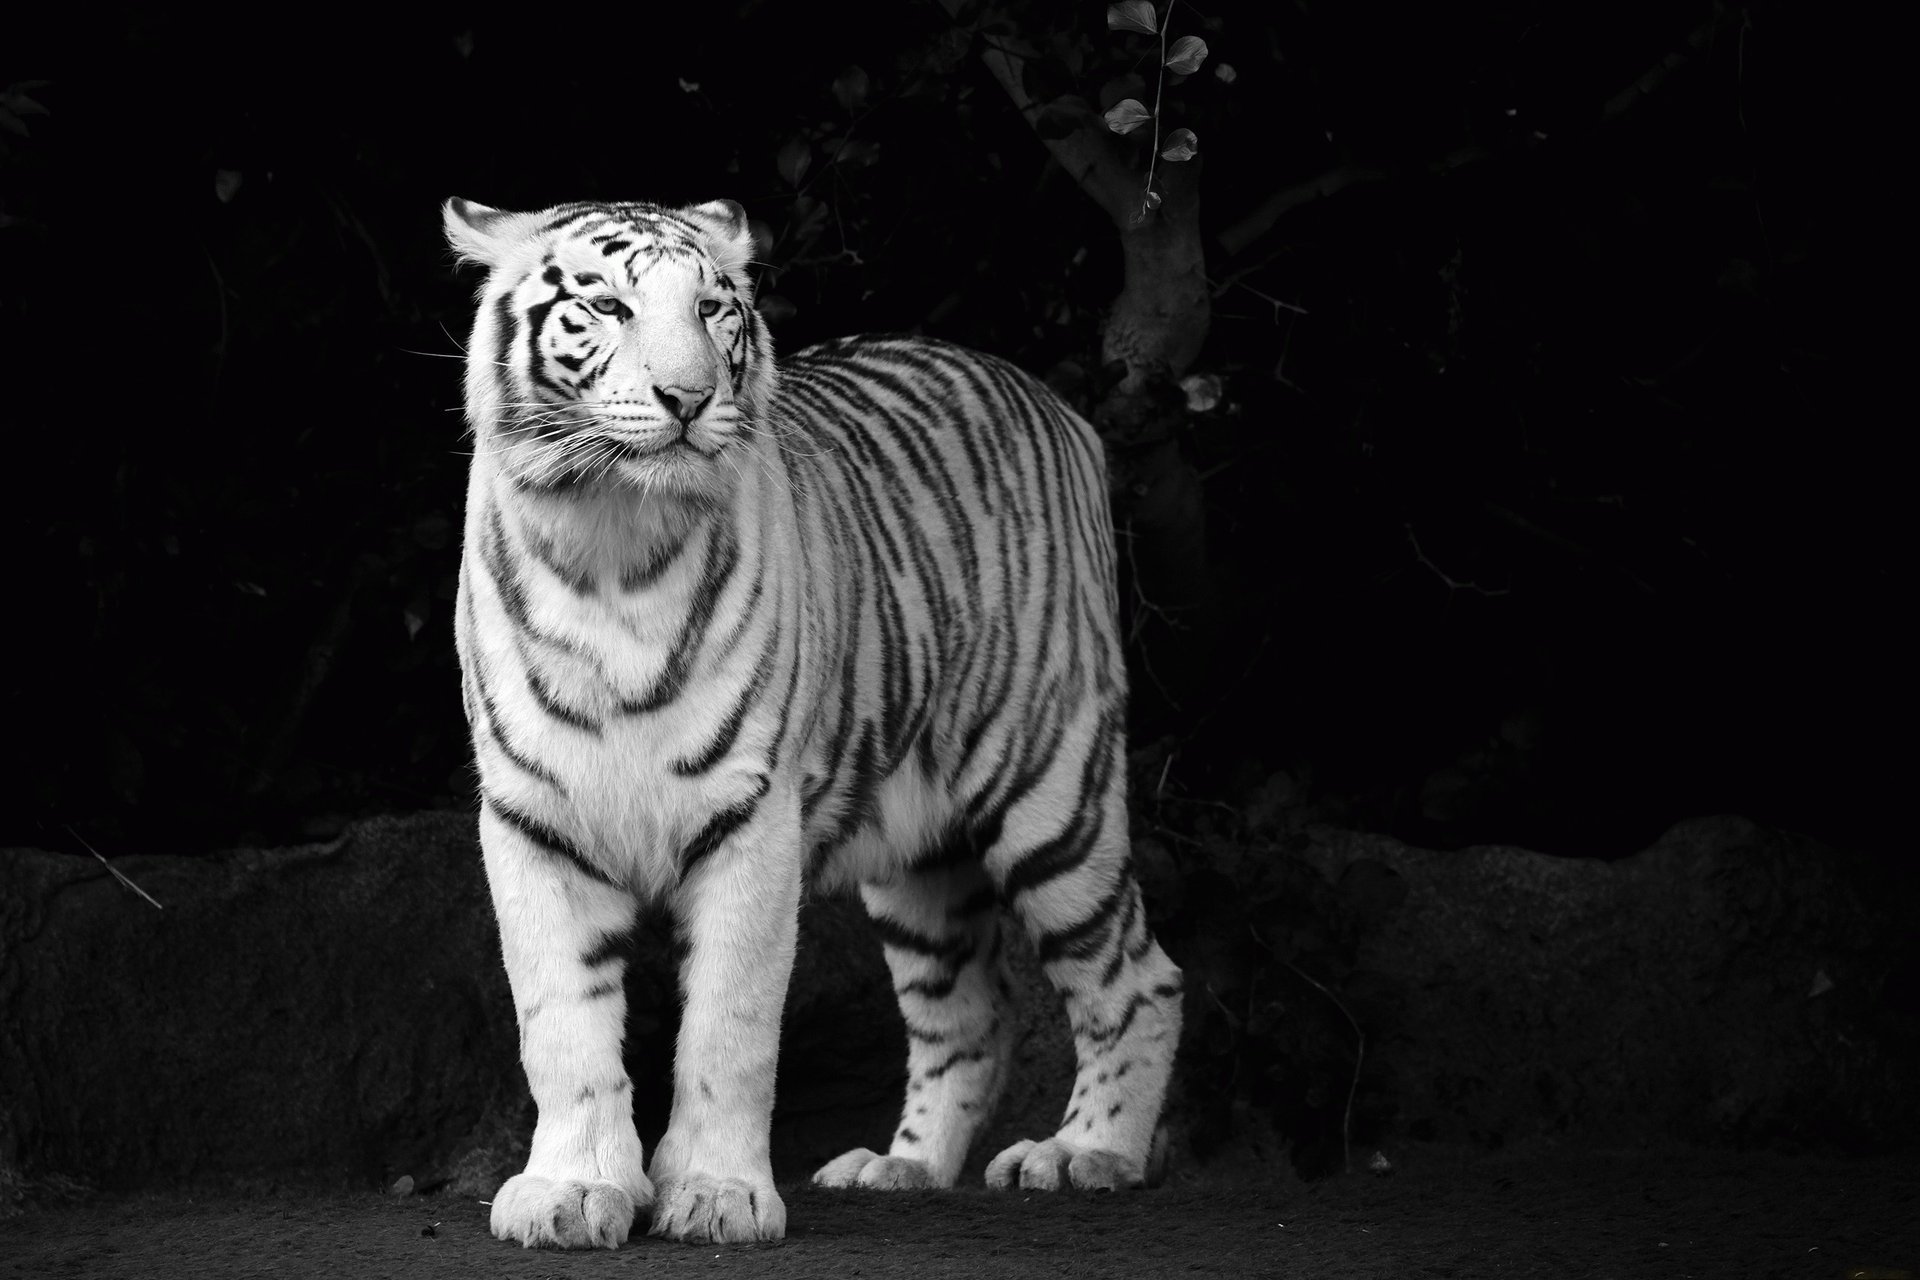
x: 910, y: 816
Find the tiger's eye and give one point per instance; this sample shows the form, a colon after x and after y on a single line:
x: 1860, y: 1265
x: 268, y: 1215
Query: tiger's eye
x: 708, y: 308
x: 606, y: 306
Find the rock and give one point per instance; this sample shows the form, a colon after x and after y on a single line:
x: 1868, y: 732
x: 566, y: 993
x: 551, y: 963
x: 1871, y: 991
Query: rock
x: 1730, y: 984
x: 339, y: 1011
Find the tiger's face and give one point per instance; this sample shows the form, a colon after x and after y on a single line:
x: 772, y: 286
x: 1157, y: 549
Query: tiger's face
x: 616, y: 345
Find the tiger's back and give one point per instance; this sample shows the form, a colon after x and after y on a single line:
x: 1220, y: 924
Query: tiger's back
x: 966, y: 591
x: 726, y: 628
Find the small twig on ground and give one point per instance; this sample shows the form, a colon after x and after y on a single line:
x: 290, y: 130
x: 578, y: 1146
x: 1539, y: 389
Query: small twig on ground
x: 117, y: 873
x: 1453, y: 584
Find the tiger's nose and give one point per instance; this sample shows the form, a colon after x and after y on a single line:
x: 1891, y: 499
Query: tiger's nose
x: 684, y: 403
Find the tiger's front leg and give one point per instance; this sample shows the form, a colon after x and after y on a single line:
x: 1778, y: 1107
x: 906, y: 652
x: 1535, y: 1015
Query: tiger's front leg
x: 562, y: 934
x: 738, y: 907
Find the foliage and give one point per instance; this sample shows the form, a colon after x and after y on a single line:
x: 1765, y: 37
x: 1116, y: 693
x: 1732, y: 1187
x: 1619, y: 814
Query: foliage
x: 1123, y: 117
x: 1505, y: 422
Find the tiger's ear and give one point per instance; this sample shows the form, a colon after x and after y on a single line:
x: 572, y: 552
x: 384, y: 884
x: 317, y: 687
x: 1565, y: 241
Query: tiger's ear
x: 483, y: 235
x: 729, y: 238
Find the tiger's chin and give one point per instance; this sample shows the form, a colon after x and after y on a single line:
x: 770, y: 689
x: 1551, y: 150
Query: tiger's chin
x: 678, y: 473
x: 680, y: 470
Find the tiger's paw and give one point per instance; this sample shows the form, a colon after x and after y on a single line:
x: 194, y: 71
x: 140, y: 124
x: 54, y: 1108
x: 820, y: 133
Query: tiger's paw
x: 701, y: 1209
x: 1056, y: 1164
x: 862, y: 1168
x: 564, y: 1213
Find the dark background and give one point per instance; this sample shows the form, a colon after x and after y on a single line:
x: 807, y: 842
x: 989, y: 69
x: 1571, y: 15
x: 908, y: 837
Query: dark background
x: 1549, y: 500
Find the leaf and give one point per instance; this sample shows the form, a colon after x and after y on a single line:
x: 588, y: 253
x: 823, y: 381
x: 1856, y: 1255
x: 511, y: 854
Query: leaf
x: 1132, y: 15
x: 1224, y: 72
x: 1153, y: 198
x: 1127, y: 115
x: 1187, y: 54
x: 1181, y: 145
x: 854, y: 152
x: 1202, y: 392
x: 15, y: 98
x: 850, y: 88
x: 793, y: 160
x: 226, y: 185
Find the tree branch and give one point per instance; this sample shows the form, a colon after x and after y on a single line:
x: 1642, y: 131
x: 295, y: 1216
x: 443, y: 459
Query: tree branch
x: 1284, y: 201
x: 1656, y: 75
x: 1087, y: 152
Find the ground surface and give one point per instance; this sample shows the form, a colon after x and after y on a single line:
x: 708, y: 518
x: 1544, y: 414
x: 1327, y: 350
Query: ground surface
x: 1555, y: 1213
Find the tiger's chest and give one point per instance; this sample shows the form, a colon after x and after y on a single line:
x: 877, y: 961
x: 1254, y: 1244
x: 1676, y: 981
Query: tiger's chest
x: 622, y: 722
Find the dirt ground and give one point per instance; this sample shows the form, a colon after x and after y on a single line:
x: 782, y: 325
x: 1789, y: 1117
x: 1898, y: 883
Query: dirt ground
x: 1552, y: 1213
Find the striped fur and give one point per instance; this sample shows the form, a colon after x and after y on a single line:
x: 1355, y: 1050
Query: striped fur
x: 728, y: 629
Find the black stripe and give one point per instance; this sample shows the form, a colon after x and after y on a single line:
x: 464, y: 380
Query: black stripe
x: 902, y: 938
x: 1071, y: 847
x: 748, y: 609
x: 977, y: 903
x: 507, y: 321
x: 578, y: 580
x: 730, y: 727
x: 536, y: 323
x: 547, y: 840
x: 493, y: 726
x: 930, y: 988
x: 1082, y: 940
x: 537, y: 686
x: 660, y: 558
x: 719, y: 827
x: 723, y: 554
x: 617, y: 945
x: 1065, y: 852
x: 953, y: 1060
x: 1120, y: 953
x: 952, y: 848
x: 572, y: 213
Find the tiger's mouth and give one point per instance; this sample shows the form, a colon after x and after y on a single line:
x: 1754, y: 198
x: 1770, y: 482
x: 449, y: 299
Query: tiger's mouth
x: 677, y: 463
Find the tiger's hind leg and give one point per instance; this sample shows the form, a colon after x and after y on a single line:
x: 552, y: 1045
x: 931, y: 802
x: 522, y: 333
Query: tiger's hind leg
x: 941, y: 935
x: 1073, y: 889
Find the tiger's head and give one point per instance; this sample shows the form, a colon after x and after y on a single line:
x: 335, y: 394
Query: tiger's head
x: 614, y: 344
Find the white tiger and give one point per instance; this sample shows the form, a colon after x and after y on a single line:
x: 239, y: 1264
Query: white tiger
x: 727, y: 630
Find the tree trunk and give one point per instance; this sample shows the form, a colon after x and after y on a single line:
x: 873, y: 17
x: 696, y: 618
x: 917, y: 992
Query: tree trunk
x: 1156, y: 328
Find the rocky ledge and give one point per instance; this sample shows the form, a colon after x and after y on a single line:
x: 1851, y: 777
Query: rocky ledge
x: 339, y: 1011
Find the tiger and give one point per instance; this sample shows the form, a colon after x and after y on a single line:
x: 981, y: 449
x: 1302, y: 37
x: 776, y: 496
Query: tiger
x: 732, y: 632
